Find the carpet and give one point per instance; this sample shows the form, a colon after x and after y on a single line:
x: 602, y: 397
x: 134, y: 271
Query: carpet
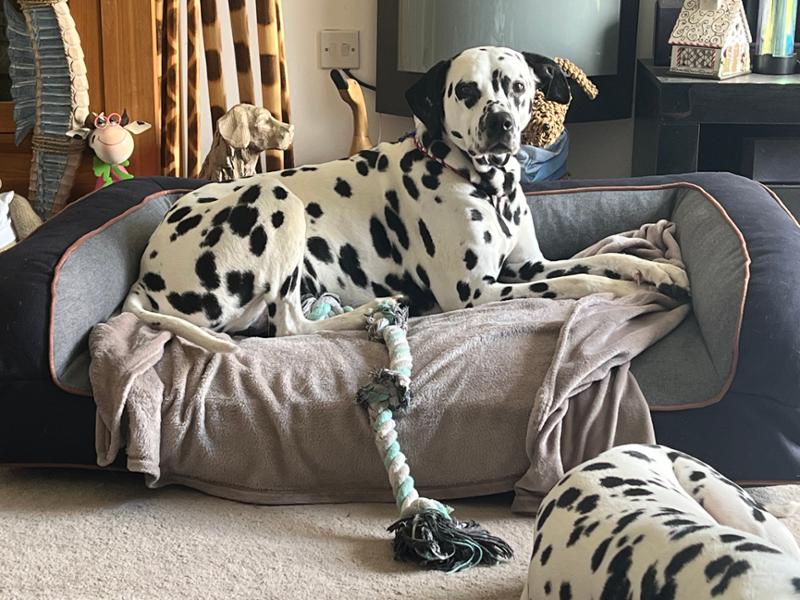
x: 90, y: 534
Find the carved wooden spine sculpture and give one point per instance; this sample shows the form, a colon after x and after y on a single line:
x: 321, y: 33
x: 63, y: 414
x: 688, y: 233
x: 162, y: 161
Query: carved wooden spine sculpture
x: 171, y: 91
x: 212, y: 43
x: 193, y: 89
x: 241, y: 50
x: 46, y: 42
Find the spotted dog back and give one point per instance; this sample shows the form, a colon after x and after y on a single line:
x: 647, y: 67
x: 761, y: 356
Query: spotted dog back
x: 647, y: 522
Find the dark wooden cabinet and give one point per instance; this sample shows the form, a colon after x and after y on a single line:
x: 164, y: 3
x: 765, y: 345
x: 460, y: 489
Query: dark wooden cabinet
x: 684, y: 124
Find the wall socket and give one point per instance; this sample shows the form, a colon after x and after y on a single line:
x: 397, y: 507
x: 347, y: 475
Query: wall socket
x: 339, y: 49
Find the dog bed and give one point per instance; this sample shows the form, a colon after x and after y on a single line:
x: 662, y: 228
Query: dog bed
x: 722, y: 386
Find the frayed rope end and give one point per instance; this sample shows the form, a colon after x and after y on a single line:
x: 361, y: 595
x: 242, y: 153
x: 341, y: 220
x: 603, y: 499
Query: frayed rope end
x: 435, y: 541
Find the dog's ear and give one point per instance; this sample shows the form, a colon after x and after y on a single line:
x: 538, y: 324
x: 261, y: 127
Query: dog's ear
x: 426, y: 98
x: 553, y: 81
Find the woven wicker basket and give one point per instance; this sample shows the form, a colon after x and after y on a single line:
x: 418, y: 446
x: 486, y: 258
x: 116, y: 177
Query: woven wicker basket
x: 547, y: 117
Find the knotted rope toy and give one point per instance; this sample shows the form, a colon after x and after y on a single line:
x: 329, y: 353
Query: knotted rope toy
x: 426, y: 533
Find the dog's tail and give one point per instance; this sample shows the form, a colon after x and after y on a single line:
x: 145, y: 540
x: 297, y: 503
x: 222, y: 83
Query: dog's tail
x: 185, y: 329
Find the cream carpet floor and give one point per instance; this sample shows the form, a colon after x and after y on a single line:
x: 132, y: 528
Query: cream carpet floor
x: 74, y: 534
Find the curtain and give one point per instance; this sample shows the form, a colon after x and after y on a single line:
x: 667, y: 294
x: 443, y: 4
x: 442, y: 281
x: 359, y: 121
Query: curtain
x: 182, y: 41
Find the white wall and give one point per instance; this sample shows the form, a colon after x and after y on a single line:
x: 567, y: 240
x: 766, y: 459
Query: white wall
x: 323, y: 122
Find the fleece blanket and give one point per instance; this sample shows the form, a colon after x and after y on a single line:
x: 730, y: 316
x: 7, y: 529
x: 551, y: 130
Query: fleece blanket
x: 507, y: 396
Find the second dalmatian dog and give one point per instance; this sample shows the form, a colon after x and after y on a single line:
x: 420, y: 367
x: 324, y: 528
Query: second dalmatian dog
x: 439, y: 218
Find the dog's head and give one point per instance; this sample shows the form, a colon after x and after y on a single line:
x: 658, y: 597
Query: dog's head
x: 481, y: 99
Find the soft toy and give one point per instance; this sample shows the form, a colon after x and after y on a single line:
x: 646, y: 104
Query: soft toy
x: 111, y: 139
x: 17, y: 219
x: 242, y: 134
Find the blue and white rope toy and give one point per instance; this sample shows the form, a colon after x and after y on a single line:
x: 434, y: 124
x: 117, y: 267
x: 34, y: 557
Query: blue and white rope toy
x: 426, y: 533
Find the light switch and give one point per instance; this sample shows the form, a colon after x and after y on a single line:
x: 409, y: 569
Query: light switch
x: 339, y: 49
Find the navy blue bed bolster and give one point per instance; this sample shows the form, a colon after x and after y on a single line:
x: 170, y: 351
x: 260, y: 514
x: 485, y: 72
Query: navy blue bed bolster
x: 753, y: 433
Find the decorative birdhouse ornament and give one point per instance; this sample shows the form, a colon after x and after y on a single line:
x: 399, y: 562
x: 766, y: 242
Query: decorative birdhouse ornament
x: 711, y: 39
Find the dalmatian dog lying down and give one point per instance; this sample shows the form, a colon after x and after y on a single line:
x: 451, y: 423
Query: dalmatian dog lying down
x: 647, y: 522
x: 438, y: 218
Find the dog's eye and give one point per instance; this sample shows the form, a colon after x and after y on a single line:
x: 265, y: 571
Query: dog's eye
x: 518, y: 87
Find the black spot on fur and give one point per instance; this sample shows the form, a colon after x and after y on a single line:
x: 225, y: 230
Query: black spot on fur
x: 206, y: 270
x: 612, y: 274
x: 362, y: 168
x: 420, y: 300
x: 626, y: 520
x: 565, y: 591
x: 529, y: 270
x: 314, y: 210
x: 598, y: 466
x: 587, y: 504
x: 423, y: 276
x: 468, y: 92
x: 371, y: 156
x: 546, y: 555
x: 250, y: 195
x: 440, y: 150
x: 544, y: 514
x: 538, y: 287
x: 212, y: 238
x: 207, y: 199
x: 280, y: 192
x: 411, y: 187
x: 409, y: 158
x: 506, y: 291
x: 289, y: 283
x: 758, y: 515
x: 319, y: 249
x: 241, y: 284
x: 271, y: 308
x: 188, y: 224
x: 568, y: 497
x: 639, y: 455
x: 242, y: 219
x: 288, y: 172
x: 430, y: 181
x: 430, y: 247
x: 734, y: 570
x: 187, y: 303
x: 153, y: 303
x: 487, y: 237
x: 470, y: 259
x: 153, y: 254
x: 380, y: 291
x: 393, y: 200
x: 351, y: 265
x: 476, y: 215
x: 154, y: 282
x: 396, y: 224
x: 277, y: 219
x: 383, y: 163
x: 464, y: 290
x: 682, y: 558
x: 697, y: 475
x: 258, y: 240
x: 178, y: 214
x: 221, y: 217
x: 343, y: 188
x: 380, y: 239
x: 599, y: 554
x: 211, y: 307
x: 618, y: 584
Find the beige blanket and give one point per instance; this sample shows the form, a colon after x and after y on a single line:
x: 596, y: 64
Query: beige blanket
x: 506, y: 395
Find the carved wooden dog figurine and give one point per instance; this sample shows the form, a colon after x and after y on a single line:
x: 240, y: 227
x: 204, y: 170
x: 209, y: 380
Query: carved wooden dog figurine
x: 242, y: 134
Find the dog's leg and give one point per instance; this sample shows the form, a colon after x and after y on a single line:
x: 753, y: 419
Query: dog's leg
x: 526, y: 263
x: 452, y: 295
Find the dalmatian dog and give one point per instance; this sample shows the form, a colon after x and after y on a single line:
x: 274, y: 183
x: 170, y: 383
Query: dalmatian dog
x: 649, y: 523
x: 438, y: 218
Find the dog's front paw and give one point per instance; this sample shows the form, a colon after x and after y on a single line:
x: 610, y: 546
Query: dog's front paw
x: 664, y: 275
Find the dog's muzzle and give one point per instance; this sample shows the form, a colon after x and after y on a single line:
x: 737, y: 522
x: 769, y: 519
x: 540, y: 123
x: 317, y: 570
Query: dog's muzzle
x: 499, y: 132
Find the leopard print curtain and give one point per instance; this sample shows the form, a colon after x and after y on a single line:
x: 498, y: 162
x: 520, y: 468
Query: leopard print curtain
x: 181, y: 155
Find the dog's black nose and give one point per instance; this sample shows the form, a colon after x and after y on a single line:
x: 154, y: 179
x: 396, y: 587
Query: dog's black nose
x: 499, y: 124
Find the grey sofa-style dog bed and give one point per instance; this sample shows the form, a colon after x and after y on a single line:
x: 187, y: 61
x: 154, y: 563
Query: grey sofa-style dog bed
x: 723, y: 386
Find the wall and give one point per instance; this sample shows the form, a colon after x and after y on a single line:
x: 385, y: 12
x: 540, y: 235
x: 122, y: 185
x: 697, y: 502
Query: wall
x: 323, y: 121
